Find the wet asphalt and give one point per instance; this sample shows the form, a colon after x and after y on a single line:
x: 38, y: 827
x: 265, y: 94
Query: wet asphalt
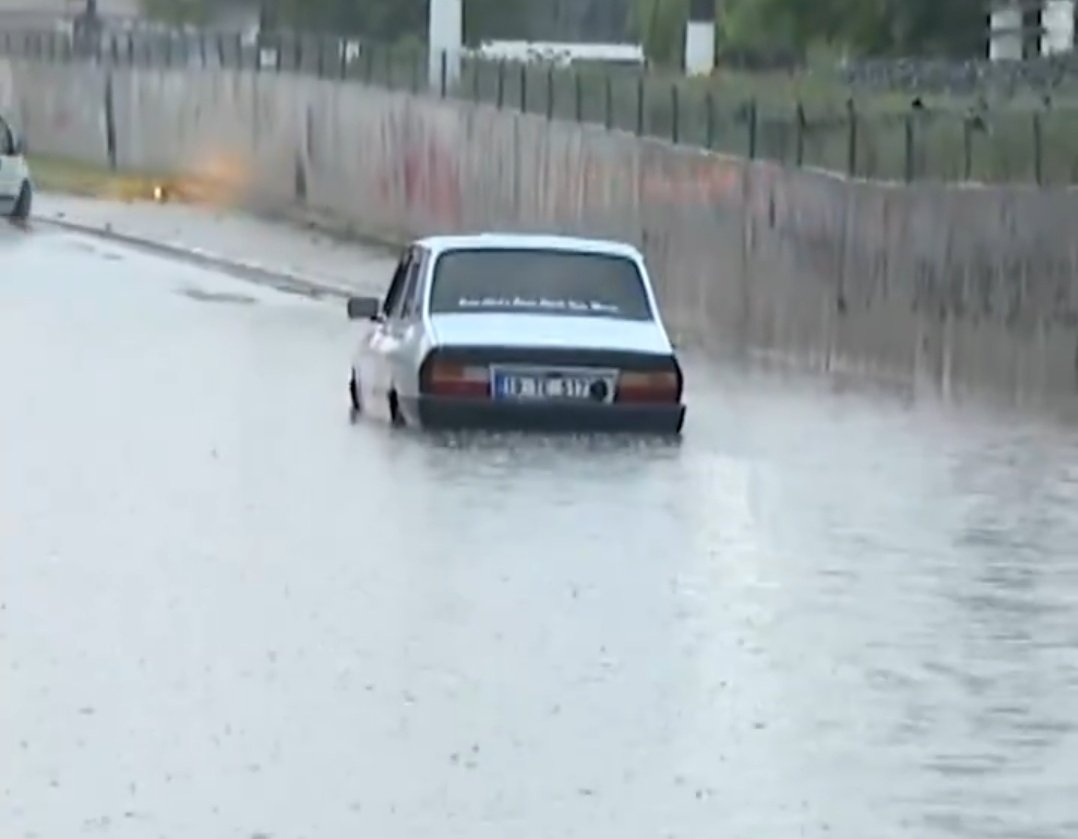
x: 226, y: 611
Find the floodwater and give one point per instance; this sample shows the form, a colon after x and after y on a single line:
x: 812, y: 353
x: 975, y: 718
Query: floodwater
x: 226, y: 611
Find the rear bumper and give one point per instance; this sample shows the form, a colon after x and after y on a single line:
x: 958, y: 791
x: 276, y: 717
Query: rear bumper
x: 447, y: 413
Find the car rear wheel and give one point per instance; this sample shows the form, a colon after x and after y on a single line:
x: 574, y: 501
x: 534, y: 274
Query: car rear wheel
x: 353, y: 394
x: 396, y: 419
x: 24, y: 203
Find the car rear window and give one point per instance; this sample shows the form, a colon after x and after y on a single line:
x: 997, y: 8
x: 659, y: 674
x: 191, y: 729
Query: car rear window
x: 539, y: 282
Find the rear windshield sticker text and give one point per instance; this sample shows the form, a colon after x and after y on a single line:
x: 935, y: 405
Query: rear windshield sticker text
x: 545, y: 303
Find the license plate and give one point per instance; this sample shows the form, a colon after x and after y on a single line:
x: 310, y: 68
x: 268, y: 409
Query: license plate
x: 543, y: 386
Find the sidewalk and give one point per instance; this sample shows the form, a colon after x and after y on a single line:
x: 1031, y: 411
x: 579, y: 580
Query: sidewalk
x: 228, y: 237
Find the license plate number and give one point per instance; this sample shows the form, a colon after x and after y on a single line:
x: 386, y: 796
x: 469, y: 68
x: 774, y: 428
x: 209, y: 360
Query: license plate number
x: 537, y: 386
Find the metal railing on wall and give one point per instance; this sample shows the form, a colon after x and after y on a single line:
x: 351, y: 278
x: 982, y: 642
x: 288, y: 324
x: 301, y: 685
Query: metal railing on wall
x: 1013, y: 144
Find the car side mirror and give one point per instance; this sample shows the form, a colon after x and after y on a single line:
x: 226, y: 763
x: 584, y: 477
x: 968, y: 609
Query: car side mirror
x: 364, y: 308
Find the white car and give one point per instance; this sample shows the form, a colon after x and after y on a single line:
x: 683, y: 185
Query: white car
x: 16, y: 188
x: 518, y: 331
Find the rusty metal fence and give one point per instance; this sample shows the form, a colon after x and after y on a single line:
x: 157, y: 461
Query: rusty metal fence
x: 858, y: 136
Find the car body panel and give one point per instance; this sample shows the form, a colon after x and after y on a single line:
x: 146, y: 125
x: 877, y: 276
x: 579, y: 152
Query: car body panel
x: 392, y: 352
x: 14, y: 171
x: 477, y: 329
x: 441, y: 413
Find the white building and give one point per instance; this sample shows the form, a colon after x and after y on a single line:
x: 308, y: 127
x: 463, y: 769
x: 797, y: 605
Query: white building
x: 1029, y: 28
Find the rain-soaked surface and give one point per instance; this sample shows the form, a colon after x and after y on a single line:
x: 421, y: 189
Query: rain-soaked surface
x: 227, y: 612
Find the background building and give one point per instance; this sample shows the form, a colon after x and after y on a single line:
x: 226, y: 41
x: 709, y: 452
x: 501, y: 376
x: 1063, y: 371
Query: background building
x: 1031, y: 28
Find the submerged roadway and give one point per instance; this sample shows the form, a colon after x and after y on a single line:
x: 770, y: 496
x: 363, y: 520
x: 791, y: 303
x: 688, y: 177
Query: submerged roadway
x: 226, y: 611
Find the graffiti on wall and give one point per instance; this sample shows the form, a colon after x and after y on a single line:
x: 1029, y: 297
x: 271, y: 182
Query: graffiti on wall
x: 420, y: 174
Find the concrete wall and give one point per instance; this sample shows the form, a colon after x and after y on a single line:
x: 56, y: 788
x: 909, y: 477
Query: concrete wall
x: 945, y: 285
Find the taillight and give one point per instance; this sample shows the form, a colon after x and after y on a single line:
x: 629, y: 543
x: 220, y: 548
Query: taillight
x: 446, y: 378
x: 649, y: 386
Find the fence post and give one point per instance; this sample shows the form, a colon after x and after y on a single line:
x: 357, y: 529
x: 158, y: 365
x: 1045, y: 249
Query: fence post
x: 550, y: 92
x: 443, y: 82
x: 752, y: 129
x: 1038, y: 148
x: 500, y: 93
x: 523, y: 87
x: 608, y: 105
x: 799, y: 116
x: 110, y: 122
x: 851, y: 140
x: 967, y: 148
x: 342, y: 58
x: 709, y: 119
x: 578, y: 96
x: 641, y: 92
x: 675, y: 113
x: 909, y: 147
x: 368, y: 62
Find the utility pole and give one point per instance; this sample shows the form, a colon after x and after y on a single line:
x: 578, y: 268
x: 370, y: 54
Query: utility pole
x: 87, y: 28
x: 445, y: 36
x: 700, y: 38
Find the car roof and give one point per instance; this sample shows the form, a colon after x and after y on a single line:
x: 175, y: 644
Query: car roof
x: 528, y: 241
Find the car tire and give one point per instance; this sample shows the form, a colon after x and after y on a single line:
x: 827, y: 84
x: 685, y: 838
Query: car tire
x: 353, y: 394
x: 24, y: 203
x: 396, y: 419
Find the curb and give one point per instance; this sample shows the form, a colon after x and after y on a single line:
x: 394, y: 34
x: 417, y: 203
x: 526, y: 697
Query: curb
x: 252, y: 271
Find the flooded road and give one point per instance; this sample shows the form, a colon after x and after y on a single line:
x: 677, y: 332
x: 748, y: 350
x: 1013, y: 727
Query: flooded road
x: 227, y: 612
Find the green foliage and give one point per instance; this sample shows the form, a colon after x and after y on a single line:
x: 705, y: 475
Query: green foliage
x: 861, y: 27
x: 177, y: 11
x: 378, y: 19
x: 857, y: 27
x: 660, y: 25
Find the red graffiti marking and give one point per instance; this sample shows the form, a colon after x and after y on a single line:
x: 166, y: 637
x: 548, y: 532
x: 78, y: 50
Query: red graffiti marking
x: 700, y: 184
x: 424, y: 177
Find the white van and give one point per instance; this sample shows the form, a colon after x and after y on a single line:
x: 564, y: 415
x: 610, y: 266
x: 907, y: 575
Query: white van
x: 16, y: 189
